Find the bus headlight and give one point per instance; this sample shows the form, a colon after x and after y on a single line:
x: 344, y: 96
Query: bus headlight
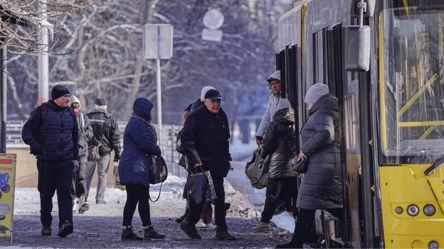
x: 429, y: 210
x: 433, y: 245
x: 413, y: 210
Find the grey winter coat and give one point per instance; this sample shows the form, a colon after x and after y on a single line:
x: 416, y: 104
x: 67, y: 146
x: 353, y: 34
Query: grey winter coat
x: 283, y: 153
x: 85, y: 134
x: 273, y: 102
x: 321, y: 187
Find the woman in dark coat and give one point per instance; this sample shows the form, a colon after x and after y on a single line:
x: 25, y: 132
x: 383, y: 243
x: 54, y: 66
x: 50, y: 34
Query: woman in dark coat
x: 279, y: 142
x: 321, y: 187
x: 139, y: 146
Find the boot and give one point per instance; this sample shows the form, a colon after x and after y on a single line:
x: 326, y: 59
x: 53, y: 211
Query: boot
x: 262, y: 227
x: 128, y: 234
x: 46, y: 231
x: 224, y: 235
x: 189, y: 229
x: 150, y: 233
x: 181, y: 218
x: 65, y: 229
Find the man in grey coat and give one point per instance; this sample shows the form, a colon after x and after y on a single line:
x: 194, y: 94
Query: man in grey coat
x: 274, y: 83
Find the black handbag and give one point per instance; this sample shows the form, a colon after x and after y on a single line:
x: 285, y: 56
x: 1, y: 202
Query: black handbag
x: 197, y: 188
x: 158, y: 172
x: 300, y: 166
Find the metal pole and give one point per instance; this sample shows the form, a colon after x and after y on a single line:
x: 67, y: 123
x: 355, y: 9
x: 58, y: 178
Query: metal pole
x: 43, y: 58
x: 3, y: 97
x: 159, y: 100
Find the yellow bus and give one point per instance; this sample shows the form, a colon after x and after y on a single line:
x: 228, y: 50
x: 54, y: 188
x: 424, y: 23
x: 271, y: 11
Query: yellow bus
x: 384, y: 61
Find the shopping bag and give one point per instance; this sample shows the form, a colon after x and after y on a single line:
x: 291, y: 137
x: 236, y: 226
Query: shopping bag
x: 197, y: 188
x: 211, y: 196
x: 116, y: 177
x: 254, y: 170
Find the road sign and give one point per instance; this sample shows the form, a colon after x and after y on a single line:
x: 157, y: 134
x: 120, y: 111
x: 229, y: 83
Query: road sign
x: 211, y: 35
x: 213, y: 19
x: 158, y: 41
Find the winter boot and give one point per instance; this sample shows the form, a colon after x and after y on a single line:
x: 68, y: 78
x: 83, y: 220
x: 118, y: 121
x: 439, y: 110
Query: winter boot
x: 189, y: 229
x: 128, y: 234
x: 46, y: 231
x: 224, y: 235
x: 181, y: 218
x: 83, y: 204
x: 150, y: 233
x: 74, y: 204
x: 65, y: 229
x: 262, y: 227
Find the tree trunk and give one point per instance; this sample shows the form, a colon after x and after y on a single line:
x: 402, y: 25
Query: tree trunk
x: 15, y: 98
x: 138, y: 68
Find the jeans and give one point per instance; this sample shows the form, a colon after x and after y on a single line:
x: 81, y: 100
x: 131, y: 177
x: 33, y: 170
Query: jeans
x: 102, y: 172
x: 276, y: 188
x: 55, y: 176
x: 137, y: 194
x: 219, y: 207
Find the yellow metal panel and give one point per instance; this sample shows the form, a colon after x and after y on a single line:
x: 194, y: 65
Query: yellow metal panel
x: 402, y: 186
x: 421, y: 123
x: 7, y: 187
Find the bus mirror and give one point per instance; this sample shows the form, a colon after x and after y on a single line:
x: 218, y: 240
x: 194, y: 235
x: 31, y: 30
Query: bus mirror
x: 357, y: 48
x: 369, y: 8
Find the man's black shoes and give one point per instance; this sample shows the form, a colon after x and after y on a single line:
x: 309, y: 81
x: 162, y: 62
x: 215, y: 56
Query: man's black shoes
x: 65, y: 229
x: 46, y: 231
x: 189, y: 229
x: 224, y: 235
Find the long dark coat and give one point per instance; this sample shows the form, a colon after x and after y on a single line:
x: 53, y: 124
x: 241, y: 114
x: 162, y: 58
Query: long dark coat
x: 321, y: 187
x: 280, y: 129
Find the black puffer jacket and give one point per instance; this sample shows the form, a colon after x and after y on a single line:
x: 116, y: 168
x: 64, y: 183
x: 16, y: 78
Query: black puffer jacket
x: 205, y: 140
x: 283, y: 153
x: 321, y: 187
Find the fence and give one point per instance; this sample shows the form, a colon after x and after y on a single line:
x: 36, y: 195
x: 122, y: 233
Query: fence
x: 167, y: 141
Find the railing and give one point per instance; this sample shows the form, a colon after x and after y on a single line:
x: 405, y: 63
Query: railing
x: 167, y: 141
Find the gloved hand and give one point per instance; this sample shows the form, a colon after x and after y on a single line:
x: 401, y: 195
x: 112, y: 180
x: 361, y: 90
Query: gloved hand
x: 35, y: 149
x: 116, y: 157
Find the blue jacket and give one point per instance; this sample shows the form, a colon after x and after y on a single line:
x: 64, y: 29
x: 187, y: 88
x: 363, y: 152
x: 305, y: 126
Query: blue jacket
x: 57, y: 134
x: 139, y: 143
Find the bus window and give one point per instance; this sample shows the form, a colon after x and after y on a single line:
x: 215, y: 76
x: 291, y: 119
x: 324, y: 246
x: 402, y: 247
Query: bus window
x: 412, y: 85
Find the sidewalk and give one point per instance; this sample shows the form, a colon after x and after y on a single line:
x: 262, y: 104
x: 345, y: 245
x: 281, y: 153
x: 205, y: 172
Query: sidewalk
x: 99, y: 227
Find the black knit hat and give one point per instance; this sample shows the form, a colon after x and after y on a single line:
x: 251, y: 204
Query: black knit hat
x: 58, y: 91
x: 101, y: 101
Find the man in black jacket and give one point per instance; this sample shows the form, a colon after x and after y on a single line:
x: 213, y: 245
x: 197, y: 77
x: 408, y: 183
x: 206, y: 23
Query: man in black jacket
x: 51, y: 132
x: 205, y: 143
x: 107, y: 137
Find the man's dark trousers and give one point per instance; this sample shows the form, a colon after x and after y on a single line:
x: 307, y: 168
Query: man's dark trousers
x: 55, y: 176
x: 219, y: 205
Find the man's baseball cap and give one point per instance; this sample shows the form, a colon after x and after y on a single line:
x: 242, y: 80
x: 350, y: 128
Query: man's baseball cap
x: 212, y: 94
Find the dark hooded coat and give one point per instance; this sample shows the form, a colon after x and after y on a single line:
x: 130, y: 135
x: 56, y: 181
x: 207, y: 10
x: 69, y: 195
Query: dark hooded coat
x: 139, y: 144
x: 280, y: 129
x: 321, y: 187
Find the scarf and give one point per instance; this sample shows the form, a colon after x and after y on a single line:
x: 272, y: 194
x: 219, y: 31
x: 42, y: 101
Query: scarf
x: 149, y: 125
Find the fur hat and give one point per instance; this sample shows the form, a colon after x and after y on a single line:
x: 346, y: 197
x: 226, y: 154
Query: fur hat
x: 58, y: 91
x: 316, y: 92
x: 204, y: 91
